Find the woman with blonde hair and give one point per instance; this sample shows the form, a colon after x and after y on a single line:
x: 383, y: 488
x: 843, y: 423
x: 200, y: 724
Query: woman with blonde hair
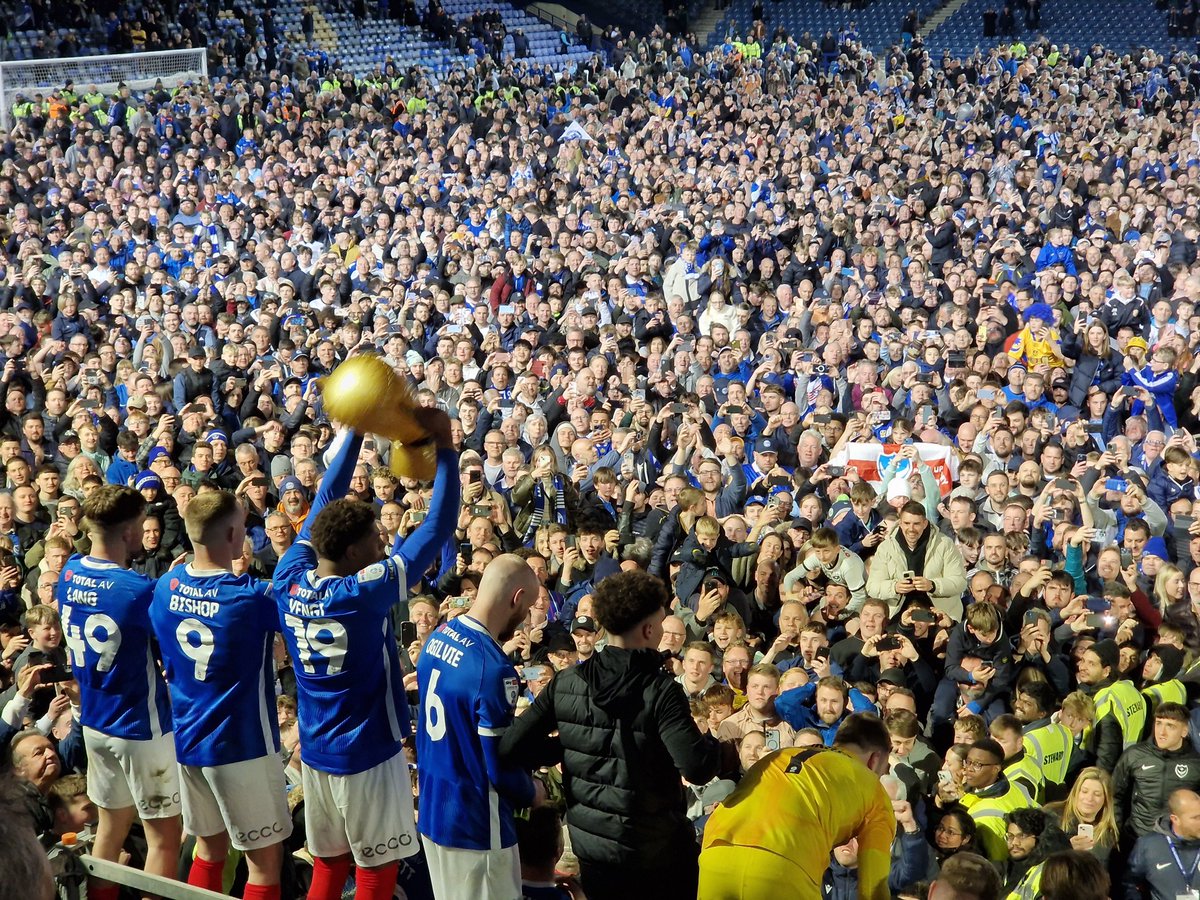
x: 80, y: 468
x: 1090, y: 805
x: 1170, y: 586
x: 1172, y: 601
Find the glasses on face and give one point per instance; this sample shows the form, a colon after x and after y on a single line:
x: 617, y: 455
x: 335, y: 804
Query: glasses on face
x: 973, y: 764
x: 1013, y: 838
x: 949, y: 832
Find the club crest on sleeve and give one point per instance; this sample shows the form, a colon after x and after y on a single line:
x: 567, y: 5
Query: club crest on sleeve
x: 512, y: 690
x: 372, y: 573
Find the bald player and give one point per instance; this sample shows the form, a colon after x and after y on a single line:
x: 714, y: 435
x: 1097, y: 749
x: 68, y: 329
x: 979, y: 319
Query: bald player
x: 468, y: 691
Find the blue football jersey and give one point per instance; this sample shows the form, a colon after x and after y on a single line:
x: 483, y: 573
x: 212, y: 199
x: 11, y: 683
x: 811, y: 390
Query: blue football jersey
x: 106, y: 626
x: 215, y: 631
x: 352, y: 709
x: 468, y: 695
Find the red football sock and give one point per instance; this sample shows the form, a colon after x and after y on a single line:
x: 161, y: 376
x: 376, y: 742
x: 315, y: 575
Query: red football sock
x: 376, y: 884
x: 261, y: 892
x: 207, y: 874
x: 108, y: 892
x: 329, y: 878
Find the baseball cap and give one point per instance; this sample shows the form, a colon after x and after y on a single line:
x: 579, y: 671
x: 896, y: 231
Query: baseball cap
x: 893, y: 676
x: 69, y: 437
x: 584, y: 623
x: 766, y: 445
x: 197, y: 352
x: 557, y: 642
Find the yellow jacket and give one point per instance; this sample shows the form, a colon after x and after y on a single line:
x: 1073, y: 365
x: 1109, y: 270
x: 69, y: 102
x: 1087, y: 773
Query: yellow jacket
x: 801, y: 803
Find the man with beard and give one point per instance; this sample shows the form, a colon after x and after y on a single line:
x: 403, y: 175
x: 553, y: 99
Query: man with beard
x: 469, y: 692
x: 293, y: 501
x: 916, y: 561
x: 1029, y: 479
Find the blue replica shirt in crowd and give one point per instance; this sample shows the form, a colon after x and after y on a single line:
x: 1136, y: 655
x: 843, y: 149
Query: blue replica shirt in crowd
x: 468, y: 693
x: 353, y: 711
x: 215, y: 630
x: 106, y: 624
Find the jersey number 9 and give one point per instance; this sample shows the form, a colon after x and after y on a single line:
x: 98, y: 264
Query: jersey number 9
x: 99, y: 632
x: 200, y: 653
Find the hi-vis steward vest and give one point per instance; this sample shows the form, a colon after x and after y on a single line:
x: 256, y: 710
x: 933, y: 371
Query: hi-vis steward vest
x: 1125, y: 703
x: 1171, y: 691
x: 1026, y: 773
x: 1051, y: 746
x: 988, y: 813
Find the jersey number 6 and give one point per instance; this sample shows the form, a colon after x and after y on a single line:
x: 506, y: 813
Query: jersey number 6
x: 435, y: 710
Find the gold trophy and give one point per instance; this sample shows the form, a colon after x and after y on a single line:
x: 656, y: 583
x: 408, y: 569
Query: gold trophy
x: 365, y: 393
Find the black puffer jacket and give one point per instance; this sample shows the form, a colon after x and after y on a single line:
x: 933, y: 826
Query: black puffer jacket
x: 625, y: 735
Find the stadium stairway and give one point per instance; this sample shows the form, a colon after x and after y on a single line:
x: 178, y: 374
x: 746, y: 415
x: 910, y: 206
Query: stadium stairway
x: 942, y: 14
x: 324, y: 32
x: 706, y: 25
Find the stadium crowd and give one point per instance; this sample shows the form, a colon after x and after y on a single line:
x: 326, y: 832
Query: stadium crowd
x: 885, y: 367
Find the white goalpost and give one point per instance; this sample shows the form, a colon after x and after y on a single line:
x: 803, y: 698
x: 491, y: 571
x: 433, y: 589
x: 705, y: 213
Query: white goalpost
x: 138, y: 70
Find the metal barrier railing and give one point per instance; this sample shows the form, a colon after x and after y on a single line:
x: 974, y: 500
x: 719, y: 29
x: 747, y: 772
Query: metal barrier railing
x: 72, y: 865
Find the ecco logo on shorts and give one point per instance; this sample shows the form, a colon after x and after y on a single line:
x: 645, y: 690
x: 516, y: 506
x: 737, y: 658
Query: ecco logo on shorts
x: 257, y: 834
x: 160, y: 802
x: 395, y: 842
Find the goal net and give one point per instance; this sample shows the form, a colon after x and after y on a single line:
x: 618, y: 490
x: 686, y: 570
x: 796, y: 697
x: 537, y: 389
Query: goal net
x: 138, y: 70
